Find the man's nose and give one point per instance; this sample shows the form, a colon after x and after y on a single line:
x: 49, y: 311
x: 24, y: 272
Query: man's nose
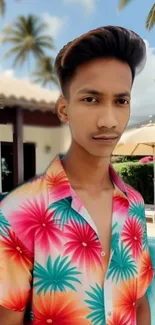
x: 107, y: 119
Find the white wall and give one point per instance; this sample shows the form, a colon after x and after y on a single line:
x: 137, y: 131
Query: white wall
x: 58, y: 139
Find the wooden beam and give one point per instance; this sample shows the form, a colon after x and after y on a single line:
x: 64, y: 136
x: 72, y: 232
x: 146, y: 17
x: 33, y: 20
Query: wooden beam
x: 18, y: 154
x: 7, y: 116
x: 37, y: 118
x: 32, y: 118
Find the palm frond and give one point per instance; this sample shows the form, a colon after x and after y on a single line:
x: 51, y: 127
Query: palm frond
x: 40, y: 29
x: 27, y: 35
x: 2, y: 7
x: 44, y: 44
x: 14, y: 50
x: 150, y: 21
x: 21, y: 57
x: 123, y: 3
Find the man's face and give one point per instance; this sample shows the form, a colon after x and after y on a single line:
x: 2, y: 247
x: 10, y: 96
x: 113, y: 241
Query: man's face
x: 98, y: 107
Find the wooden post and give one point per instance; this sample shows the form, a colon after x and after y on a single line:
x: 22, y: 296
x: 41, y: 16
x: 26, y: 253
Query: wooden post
x: 18, y: 152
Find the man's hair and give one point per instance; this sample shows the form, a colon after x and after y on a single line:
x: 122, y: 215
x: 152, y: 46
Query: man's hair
x: 104, y: 42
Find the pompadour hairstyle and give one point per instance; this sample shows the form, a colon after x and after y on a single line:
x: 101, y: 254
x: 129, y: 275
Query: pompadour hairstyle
x: 104, y: 42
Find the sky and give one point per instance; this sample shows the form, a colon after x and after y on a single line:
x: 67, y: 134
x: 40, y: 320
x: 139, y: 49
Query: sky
x: 67, y: 19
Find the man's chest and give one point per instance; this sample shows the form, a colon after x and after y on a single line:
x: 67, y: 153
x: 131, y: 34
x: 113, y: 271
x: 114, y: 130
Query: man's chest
x: 100, y: 212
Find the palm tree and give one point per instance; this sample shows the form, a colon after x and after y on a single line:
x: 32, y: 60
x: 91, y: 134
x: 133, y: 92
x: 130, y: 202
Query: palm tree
x: 150, y: 20
x: 27, y: 36
x: 2, y: 7
x: 44, y: 72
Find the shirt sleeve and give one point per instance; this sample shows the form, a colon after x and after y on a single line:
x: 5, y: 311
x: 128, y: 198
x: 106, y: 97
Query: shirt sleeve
x: 17, y: 245
x: 146, y: 270
x: 16, y: 260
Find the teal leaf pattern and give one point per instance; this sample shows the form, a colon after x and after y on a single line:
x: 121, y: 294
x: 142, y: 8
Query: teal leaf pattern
x: 137, y: 210
x: 57, y: 275
x: 122, y: 266
x: 64, y: 212
x: 96, y: 304
x: 115, y: 237
x: 145, y: 239
x: 4, y: 224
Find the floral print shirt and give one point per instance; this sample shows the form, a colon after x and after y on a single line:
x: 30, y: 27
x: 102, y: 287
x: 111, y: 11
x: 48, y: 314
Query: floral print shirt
x: 52, y: 262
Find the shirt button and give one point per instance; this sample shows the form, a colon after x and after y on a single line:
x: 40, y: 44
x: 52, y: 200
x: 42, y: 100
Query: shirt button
x: 102, y: 253
x: 109, y: 313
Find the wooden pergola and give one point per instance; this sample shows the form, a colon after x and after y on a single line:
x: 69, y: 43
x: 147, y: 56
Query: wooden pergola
x: 30, y: 111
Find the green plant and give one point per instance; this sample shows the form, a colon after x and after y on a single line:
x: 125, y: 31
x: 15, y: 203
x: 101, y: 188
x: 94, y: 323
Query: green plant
x: 150, y: 20
x: 139, y: 176
x: 28, y: 35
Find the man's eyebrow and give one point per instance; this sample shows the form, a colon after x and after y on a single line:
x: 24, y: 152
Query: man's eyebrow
x: 90, y: 92
x: 99, y: 93
x: 124, y: 94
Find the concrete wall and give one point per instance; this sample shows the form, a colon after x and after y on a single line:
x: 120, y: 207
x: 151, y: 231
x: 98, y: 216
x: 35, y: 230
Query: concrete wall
x: 49, y: 142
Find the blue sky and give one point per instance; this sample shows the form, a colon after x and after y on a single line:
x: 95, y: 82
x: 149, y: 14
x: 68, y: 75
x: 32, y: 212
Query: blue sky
x: 70, y: 18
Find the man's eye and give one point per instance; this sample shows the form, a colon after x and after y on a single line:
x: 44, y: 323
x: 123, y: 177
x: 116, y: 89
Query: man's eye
x: 90, y: 100
x: 122, y: 101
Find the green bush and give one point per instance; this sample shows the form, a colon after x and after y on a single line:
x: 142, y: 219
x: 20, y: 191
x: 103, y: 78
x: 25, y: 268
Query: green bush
x: 139, y: 176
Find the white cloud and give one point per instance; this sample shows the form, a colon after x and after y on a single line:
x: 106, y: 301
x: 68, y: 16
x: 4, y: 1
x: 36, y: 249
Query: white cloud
x: 88, y: 4
x: 55, y: 24
x: 8, y: 72
x: 143, y: 93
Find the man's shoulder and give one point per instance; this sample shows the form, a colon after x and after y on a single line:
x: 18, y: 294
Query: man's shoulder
x: 33, y: 187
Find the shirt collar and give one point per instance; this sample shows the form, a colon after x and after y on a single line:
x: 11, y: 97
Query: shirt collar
x: 58, y: 184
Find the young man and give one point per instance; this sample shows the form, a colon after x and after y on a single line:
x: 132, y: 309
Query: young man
x: 73, y: 242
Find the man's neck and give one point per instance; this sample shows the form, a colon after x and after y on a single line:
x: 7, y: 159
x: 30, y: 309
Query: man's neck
x: 86, y: 171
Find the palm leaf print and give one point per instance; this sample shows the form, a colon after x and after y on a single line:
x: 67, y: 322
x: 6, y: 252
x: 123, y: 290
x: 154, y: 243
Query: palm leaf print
x: 145, y: 240
x: 115, y: 236
x: 3, y: 224
x: 64, y: 212
x: 137, y: 210
x: 96, y: 304
x: 57, y: 275
x: 122, y: 266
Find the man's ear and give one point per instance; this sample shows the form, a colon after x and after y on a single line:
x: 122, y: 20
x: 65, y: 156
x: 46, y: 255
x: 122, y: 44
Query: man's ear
x: 61, y: 108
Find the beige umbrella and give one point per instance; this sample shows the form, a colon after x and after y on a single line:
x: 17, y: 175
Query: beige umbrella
x: 140, y: 142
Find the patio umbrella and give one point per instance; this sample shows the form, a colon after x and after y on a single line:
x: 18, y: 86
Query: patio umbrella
x: 140, y: 142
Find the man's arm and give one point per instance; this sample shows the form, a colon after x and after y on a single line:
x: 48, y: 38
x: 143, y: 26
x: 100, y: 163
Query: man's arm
x: 9, y: 317
x: 143, y: 312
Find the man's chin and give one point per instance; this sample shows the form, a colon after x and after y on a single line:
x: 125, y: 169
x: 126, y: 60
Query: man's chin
x: 100, y: 153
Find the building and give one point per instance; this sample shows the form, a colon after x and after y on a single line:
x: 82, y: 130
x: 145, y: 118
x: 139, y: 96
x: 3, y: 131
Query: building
x: 30, y: 131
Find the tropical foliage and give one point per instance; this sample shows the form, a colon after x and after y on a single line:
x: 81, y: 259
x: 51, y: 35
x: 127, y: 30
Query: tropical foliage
x: 2, y: 7
x: 150, y: 20
x: 28, y: 37
x: 44, y: 72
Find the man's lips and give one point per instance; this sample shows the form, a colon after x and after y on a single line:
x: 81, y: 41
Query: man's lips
x: 103, y: 138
